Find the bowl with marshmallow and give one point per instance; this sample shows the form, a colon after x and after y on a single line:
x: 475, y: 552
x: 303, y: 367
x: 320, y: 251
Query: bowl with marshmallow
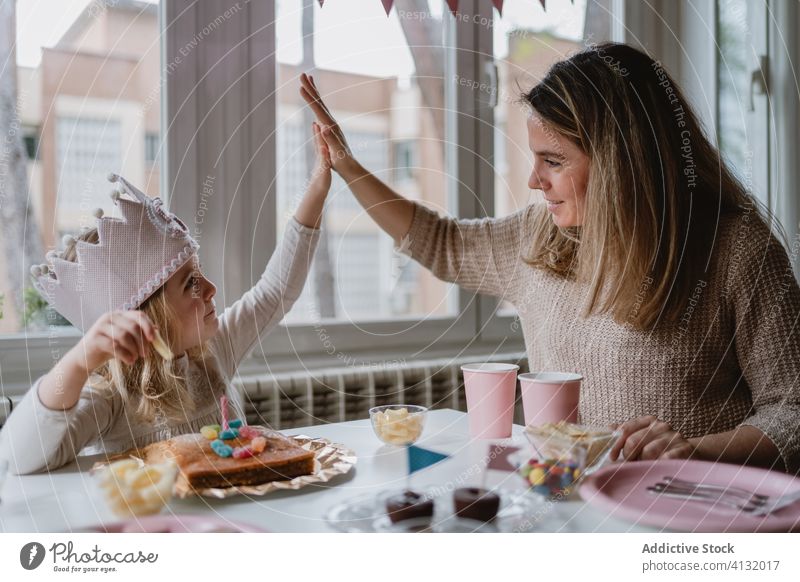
x: 398, y: 424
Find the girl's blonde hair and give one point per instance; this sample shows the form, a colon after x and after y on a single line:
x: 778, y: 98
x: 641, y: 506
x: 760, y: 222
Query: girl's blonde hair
x: 152, y: 384
x: 657, y: 187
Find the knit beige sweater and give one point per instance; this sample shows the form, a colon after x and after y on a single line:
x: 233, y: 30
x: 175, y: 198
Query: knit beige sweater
x: 733, y: 359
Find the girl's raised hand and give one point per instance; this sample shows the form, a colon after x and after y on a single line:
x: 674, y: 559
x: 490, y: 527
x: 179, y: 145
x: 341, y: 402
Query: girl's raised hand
x: 320, y: 181
x: 339, y: 152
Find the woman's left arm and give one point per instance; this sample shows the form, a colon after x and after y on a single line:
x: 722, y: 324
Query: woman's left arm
x: 646, y: 438
x: 764, y: 298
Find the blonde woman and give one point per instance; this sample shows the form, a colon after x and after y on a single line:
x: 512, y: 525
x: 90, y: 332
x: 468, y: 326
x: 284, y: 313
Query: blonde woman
x: 649, y: 269
x: 136, y: 288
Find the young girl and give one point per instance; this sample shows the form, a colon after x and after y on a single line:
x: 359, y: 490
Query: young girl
x: 650, y: 269
x: 128, y: 284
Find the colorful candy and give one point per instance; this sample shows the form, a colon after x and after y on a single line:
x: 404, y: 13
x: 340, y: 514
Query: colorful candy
x: 221, y: 448
x: 552, y: 477
x: 242, y: 452
x: 258, y: 444
x: 209, y: 432
x: 232, y: 429
x: 249, y: 432
x: 229, y: 434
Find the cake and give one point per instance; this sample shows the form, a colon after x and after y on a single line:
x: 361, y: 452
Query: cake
x: 201, y: 466
x: 475, y: 503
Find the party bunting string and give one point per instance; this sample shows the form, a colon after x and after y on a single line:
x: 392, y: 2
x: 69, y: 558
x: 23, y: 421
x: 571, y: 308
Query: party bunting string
x: 452, y: 4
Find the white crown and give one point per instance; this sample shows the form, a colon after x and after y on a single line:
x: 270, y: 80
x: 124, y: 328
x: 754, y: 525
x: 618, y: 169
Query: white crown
x: 134, y: 257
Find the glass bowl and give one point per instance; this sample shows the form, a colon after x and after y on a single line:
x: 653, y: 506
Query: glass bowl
x: 562, y: 454
x: 398, y: 424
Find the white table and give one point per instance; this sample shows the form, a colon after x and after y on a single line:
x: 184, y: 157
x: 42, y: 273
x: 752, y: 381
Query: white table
x: 67, y: 499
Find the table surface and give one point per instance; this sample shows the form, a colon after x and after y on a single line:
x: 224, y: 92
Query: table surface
x: 68, y: 500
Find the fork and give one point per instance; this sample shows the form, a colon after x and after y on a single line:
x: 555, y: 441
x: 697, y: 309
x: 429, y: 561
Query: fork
x: 715, y: 497
x: 778, y: 503
x: 723, y: 489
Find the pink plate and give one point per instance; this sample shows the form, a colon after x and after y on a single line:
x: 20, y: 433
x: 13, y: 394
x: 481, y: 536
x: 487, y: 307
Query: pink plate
x: 621, y: 490
x: 180, y: 523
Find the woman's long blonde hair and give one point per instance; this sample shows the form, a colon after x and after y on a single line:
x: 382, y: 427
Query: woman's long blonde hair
x: 657, y: 187
x: 152, y: 384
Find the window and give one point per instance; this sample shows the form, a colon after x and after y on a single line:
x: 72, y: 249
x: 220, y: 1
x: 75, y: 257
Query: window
x: 369, y: 74
x: 403, y: 160
x: 85, y: 150
x: 88, y: 96
x: 527, y: 41
x: 152, y: 147
x: 742, y: 107
x: 31, y: 138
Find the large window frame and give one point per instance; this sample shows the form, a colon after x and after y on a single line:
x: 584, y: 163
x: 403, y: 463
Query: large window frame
x: 300, y: 345
x: 220, y: 135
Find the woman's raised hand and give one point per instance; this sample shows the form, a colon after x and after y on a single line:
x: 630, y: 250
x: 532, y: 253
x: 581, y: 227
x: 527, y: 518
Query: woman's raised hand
x: 340, y: 154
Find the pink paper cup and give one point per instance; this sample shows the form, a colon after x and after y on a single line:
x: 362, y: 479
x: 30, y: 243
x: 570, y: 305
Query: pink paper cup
x: 550, y: 397
x: 490, y: 390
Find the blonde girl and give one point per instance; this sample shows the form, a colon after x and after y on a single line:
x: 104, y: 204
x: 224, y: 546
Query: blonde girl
x: 135, y: 287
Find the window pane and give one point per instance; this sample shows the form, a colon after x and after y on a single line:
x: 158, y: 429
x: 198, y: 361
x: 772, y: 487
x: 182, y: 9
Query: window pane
x: 88, y: 94
x: 367, y: 71
x: 527, y: 41
x: 734, y: 81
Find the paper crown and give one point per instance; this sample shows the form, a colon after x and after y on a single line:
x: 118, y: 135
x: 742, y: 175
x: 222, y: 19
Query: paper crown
x: 134, y: 257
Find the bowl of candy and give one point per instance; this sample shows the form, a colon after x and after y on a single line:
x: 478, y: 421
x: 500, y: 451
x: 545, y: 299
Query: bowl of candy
x: 562, y: 454
x: 398, y: 424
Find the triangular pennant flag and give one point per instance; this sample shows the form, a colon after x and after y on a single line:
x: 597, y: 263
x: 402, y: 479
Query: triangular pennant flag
x: 543, y: 6
x: 419, y: 458
x: 387, y: 5
x: 498, y: 458
x: 321, y: 2
x: 453, y: 4
x: 499, y: 5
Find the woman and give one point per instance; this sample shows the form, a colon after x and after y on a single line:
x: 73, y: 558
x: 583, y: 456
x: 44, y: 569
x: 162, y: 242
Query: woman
x: 650, y: 269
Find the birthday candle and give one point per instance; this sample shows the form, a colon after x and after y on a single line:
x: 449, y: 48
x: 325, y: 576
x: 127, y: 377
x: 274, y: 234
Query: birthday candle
x: 224, y: 405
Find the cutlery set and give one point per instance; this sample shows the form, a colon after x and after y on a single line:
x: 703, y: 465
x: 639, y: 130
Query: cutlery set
x: 733, y: 497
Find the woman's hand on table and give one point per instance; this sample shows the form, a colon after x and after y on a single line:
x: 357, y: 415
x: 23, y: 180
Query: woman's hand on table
x: 646, y: 438
x: 340, y: 154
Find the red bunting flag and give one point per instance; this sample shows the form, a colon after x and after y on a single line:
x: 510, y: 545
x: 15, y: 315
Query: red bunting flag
x: 453, y: 4
x: 387, y: 5
x: 321, y: 2
x: 499, y: 5
x: 543, y: 6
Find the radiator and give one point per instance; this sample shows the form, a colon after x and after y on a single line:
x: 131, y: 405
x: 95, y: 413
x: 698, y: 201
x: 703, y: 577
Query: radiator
x: 339, y: 394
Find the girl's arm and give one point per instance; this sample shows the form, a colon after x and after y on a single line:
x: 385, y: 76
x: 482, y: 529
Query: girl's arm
x: 481, y: 255
x: 309, y: 211
x: 60, y: 415
x: 264, y: 306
